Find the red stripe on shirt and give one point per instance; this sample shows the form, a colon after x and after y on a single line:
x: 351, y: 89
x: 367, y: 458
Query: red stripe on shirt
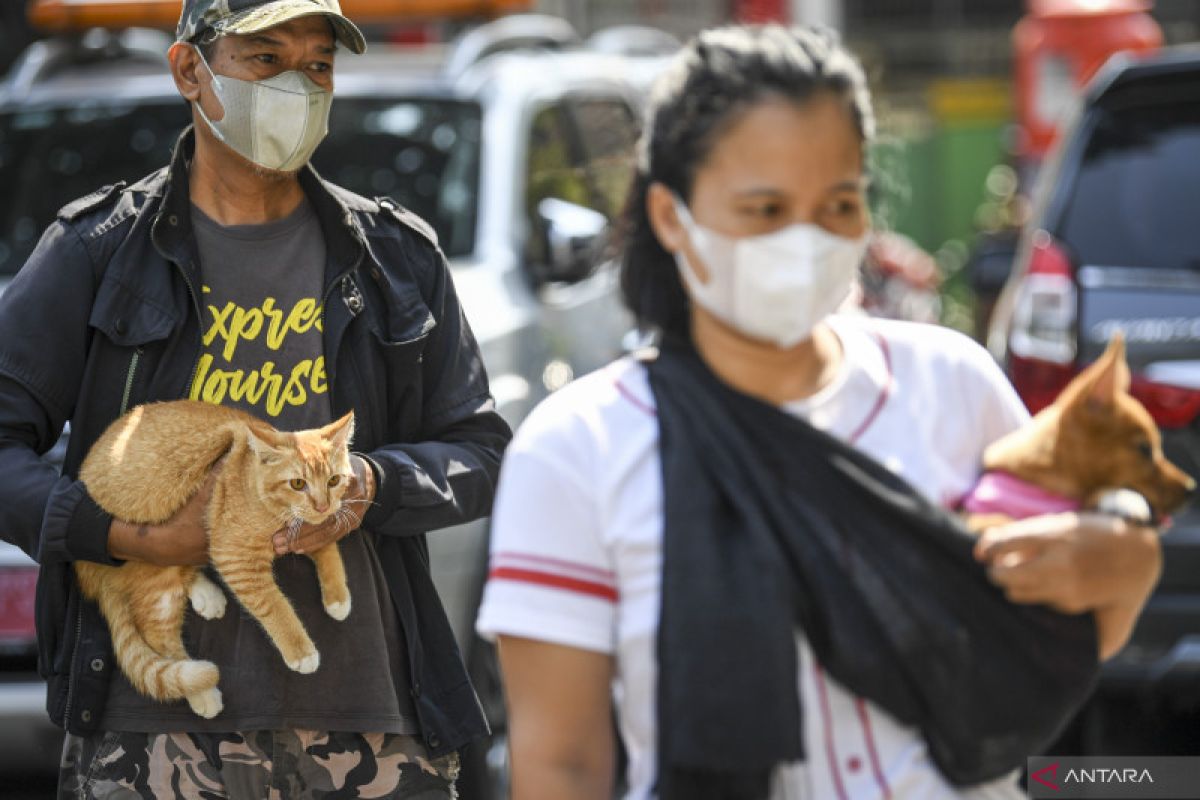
x: 587, y: 569
x: 827, y: 720
x: 539, y: 578
x: 865, y: 718
x: 634, y: 399
x: 884, y: 393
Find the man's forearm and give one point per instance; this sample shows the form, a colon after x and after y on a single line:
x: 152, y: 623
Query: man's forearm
x: 128, y: 542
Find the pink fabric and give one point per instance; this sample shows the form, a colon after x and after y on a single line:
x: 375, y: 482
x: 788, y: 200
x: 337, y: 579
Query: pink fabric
x: 1001, y: 493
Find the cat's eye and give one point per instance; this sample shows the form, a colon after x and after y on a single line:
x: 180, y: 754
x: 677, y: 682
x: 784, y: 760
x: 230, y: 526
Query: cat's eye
x: 297, y: 483
x: 335, y: 480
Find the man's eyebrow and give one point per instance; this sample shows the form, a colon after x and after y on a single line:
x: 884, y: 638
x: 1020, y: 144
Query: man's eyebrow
x: 262, y: 38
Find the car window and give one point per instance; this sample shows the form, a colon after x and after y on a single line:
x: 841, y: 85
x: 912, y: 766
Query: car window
x: 554, y: 168
x: 424, y: 153
x: 608, y: 131
x: 50, y: 156
x: 1133, y: 201
x: 421, y: 152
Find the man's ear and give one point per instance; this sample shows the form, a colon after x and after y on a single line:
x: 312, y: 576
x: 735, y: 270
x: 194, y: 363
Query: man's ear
x: 664, y: 217
x: 193, y: 80
x: 186, y: 70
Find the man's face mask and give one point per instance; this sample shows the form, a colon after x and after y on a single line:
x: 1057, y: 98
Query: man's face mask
x: 275, y: 123
x: 777, y: 286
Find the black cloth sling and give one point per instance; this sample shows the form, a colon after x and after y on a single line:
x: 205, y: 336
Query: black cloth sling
x: 771, y: 526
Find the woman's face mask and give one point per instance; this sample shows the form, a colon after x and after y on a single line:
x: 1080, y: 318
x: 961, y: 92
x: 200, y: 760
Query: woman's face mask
x: 275, y: 123
x: 776, y: 286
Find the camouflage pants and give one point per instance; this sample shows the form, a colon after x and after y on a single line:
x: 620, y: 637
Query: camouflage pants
x: 260, y: 765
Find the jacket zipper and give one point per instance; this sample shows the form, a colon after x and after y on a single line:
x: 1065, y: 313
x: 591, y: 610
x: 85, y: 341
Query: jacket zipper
x: 187, y: 390
x: 74, y: 665
x: 129, y: 376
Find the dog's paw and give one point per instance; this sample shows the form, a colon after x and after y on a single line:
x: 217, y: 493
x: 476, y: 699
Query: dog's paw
x: 339, y: 610
x: 207, y: 598
x: 207, y: 703
x: 306, y: 664
x: 1127, y: 504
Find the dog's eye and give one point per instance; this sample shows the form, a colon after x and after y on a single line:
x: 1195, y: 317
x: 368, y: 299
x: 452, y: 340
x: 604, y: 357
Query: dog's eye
x: 1145, y: 449
x: 297, y: 483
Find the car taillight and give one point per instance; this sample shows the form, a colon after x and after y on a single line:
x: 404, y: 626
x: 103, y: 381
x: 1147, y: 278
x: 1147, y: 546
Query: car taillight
x: 18, y: 588
x: 1171, y: 406
x: 1042, y: 345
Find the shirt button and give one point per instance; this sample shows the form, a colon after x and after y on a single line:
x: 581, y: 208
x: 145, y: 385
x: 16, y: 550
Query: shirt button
x: 85, y: 715
x: 174, y: 220
x: 120, y: 327
x: 97, y: 665
x: 434, y: 741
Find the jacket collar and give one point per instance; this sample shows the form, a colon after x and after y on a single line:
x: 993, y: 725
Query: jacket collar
x: 171, y: 229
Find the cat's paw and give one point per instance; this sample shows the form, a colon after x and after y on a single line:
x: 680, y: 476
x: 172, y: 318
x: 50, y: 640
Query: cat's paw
x: 306, y: 664
x: 208, y: 599
x: 340, y: 610
x: 206, y: 703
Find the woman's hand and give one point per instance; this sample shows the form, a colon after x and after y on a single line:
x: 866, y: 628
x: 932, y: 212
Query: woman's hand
x: 1077, y: 562
x: 355, y: 501
x: 180, y: 541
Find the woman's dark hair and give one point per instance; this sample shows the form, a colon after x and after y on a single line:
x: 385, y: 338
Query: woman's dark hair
x: 716, y: 78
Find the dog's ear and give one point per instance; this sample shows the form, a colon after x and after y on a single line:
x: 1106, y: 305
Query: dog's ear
x: 1109, y: 376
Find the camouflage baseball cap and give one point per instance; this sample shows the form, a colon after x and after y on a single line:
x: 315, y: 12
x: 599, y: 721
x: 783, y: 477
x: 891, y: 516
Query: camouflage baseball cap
x: 251, y: 16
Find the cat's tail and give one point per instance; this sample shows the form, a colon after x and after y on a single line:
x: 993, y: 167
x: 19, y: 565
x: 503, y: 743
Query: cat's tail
x: 151, y: 673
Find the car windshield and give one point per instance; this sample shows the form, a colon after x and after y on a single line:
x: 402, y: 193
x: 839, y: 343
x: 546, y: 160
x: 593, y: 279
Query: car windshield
x: 424, y: 153
x: 1133, y: 204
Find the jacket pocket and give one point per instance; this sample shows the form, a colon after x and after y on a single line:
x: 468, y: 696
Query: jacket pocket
x: 126, y: 318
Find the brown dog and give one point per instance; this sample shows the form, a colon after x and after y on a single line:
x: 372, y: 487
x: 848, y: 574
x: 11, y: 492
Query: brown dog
x: 1095, y: 447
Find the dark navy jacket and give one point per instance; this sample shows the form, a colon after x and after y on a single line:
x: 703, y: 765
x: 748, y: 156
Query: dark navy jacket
x: 105, y: 315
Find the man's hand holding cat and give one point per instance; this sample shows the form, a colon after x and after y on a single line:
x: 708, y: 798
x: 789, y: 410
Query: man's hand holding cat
x: 180, y: 541
x: 356, y: 500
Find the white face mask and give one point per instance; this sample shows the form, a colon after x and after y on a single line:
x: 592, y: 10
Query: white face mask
x: 777, y: 286
x: 276, y: 123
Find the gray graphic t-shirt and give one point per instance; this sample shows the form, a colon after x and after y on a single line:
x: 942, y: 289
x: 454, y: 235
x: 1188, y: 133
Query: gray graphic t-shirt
x: 263, y: 353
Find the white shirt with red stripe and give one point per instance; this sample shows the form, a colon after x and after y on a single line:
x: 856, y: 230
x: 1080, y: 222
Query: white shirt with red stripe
x: 577, y: 536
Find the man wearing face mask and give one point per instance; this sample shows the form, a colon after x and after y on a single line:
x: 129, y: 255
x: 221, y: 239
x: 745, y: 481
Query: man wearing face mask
x: 237, y: 276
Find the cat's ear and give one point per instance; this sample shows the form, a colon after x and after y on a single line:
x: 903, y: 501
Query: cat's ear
x: 340, y: 432
x: 264, y: 442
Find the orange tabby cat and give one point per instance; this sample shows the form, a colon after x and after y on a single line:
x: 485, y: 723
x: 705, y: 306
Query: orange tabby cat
x: 145, y: 467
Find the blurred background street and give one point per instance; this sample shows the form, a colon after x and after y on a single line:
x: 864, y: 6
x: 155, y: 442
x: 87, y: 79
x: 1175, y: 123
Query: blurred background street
x: 510, y: 125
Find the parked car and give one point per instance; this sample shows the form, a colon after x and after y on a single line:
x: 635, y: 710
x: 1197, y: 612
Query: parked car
x: 516, y: 144
x: 1114, y: 244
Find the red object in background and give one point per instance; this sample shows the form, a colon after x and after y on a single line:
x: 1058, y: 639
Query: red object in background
x: 1059, y: 45
x: 18, y: 587
x: 758, y: 11
x: 412, y: 34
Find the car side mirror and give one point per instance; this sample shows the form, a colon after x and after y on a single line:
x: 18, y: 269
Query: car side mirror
x: 575, y: 237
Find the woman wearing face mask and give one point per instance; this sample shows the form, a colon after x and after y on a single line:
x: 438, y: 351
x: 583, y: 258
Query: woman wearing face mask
x: 736, y: 542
